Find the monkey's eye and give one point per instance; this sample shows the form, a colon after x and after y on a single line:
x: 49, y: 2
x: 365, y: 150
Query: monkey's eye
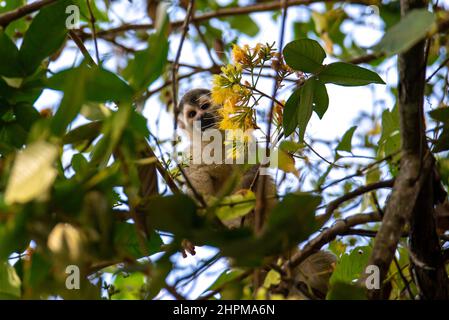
x: 205, y: 106
x: 191, y: 114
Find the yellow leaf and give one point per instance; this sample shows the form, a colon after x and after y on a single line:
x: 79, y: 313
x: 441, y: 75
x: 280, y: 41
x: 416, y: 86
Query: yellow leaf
x: 65, y: 239
x: 13, y: 82
x: 32, y: 173
x: 273, y: 278
x: 320, y: 21
x: 236, y: 205
x: 286, y: 162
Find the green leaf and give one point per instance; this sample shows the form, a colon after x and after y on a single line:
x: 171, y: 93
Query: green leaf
x: 412, y: 28
x: 390, y: 13
x: 290, y: 117
x: 100, y: 16
x: 127, y: 243
x: 320, y: 99
x: 95, y: 111
x: 37, y: 272
x: 148, y: 64
x: 304, y: 55
x: 9, y: 58
x: 11, y: 5
x: 10, y: 282
x: 347, y: 74
x: 244, y: 24
x: 290, y: 146
x: 345, y: 291
x: 74, y: 95
x: 18, y: 25
x: 311, y: 96
x: 45, y: 35
x: 128, y: 286
x: 26, y: 115
x: 13, y: 234
x: 351, y: 266
x: 390, y: 139
x: 236, y: 205
x: 305, y: 106
x: 440, y: 114
x: 112, y: 129
x: 83, y: 133
x: 179, y: 215
x: 100, y: 85
x: 293, y: 219
x: 85, y: 84
x: 346, y: 142
x: 79, y: 163
x: 225, y: 277
x: 442, y: 143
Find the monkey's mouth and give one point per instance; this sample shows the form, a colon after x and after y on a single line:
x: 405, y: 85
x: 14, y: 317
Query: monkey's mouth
x: 207, y: 121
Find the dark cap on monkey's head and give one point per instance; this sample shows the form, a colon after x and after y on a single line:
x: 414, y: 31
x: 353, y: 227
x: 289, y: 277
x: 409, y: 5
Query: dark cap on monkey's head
x: 194, y: 97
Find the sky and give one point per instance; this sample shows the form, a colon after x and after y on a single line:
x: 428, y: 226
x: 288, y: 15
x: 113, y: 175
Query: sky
x: 345, y: 102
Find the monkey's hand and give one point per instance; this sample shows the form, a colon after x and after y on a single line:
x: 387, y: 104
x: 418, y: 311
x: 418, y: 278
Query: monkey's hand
x: 187, y: 247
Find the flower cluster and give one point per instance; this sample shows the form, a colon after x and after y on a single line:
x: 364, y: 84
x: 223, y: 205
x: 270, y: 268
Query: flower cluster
x: 239, y: 97
x: 251, y: 58
x: 228, y: 91
x: 235, y: 96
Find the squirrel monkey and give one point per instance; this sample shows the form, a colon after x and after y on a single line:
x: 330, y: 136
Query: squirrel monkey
x: 209, y: 179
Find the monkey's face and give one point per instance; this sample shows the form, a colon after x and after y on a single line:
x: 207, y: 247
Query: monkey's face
x: 198, y: 111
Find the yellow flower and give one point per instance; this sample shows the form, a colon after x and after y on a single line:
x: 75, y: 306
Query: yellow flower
x: 219, y: 95
x: 229, y: 106
x: 227, y: 124
x: 238, y: 54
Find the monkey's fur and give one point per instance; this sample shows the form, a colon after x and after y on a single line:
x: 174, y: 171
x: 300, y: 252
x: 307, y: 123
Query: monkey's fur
x: 313, y: 274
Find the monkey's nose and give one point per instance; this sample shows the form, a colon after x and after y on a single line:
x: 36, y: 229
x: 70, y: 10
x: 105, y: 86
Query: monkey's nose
x: 207, y: 121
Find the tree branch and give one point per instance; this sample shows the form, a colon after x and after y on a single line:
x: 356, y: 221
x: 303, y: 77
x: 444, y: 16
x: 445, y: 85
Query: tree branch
x: 412, y: 197
x: 340, y: 227
x: 20, y: 12
x: 226, y: 12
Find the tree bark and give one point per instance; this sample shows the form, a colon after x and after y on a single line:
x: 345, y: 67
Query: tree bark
x: 412, y: 198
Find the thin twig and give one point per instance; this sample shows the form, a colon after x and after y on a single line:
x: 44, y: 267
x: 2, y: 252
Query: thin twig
x: 321, y: 157
x: 333, y: 205
x: 94, y: 32
x: 401, y: 274
x: 175, y: 65
x: 441, y: 66
x: 197, y: 195
x: 79, y: 43
x: 174, y: 293
x: 203, y: 39
x: 358, y: 173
